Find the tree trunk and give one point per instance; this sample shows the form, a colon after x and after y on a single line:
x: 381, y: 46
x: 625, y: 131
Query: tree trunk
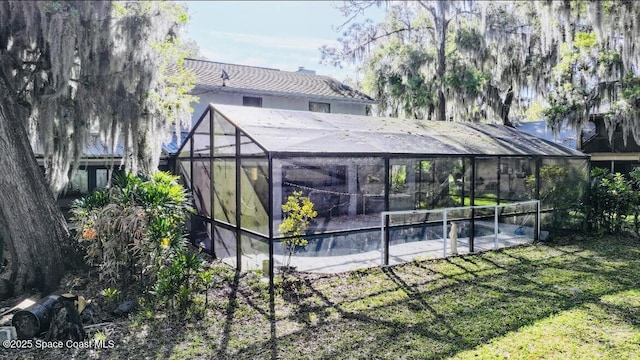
x: 441, y: 70
x: 499, y: 106
x: 506, y: 108
x: 32, y: 226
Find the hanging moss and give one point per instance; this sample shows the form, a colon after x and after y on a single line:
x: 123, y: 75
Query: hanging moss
x: 499, y: 57
x: 599, y: 60
x: 86, y: 66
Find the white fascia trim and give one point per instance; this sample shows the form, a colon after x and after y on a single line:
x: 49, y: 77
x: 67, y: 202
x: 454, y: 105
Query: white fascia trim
x: 242, y: 91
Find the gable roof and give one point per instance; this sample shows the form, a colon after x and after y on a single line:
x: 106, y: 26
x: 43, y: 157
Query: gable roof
x: 259, y: 80
x: 304, y: 132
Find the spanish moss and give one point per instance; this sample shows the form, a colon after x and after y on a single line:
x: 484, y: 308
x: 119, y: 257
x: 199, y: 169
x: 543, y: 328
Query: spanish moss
x: 81, y: 68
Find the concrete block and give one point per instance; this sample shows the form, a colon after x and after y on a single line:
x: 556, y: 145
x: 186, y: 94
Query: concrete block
x: 8, y: 333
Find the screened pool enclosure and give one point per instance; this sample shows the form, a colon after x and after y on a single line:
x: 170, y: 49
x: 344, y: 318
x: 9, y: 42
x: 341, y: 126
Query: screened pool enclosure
x: 385, y: 190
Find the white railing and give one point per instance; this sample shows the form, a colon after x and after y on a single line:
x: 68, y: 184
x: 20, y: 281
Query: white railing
x: 512, y: 239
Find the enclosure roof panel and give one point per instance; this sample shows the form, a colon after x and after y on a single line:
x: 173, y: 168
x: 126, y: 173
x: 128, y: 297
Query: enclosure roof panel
x: 289, y: 131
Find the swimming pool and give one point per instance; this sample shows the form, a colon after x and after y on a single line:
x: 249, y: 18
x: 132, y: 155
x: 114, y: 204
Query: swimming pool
x: 369, y: 240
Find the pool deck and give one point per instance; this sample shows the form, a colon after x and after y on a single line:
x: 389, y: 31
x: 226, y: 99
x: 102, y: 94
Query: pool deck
x: 399, y: 253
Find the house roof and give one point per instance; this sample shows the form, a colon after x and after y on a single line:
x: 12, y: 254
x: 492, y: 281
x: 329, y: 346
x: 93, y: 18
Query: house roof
x: 97, y: 148
x: 259, y: 80
x: 289, y: 131
x: 94, y: 148
x: 566, y: 136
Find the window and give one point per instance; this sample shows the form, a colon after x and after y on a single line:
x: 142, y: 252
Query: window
x: 251, y: 101
x: 398, y: 178
x: 319, y: 107
x: 79, y: 183
x: 102, y: 178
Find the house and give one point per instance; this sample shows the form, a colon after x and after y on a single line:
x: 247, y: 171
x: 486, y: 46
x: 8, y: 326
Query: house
x: 566, y: 136
x: 233, y: 84
x: 608, y: 153
x: 613, y: 152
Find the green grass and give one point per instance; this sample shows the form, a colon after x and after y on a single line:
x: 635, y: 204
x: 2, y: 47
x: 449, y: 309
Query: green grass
x: 479, y: 201
x: 576, y: 298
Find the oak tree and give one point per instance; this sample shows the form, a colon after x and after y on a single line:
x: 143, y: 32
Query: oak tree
x: 68, y: 69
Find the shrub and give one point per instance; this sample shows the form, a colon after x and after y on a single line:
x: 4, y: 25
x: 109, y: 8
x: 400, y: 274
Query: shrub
x: 634, y: 182
x: 298, y: 211
x: 556, y: 190
x: 134, y: 232
x: 181, y: 278
x: 611, y: 199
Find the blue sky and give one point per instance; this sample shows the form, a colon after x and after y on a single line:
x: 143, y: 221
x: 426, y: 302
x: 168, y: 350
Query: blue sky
x: 275, y: 34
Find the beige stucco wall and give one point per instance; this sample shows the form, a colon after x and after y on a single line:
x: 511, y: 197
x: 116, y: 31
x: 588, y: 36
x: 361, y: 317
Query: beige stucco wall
x: 274, y: 102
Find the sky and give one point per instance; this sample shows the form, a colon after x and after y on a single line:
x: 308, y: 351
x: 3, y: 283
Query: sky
x: 283, y: 35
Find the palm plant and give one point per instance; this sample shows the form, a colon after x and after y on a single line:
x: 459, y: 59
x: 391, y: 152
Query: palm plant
x: 129, y: 229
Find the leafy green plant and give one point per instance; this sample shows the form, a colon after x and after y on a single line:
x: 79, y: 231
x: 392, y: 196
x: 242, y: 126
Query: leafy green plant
x: 398, y: 178
x: 634, y: 181
x: 111, y: 295
x: 203, y: 282
x: 612, y: 198
x: 100, y: 336
x: 135, y: 233
x: 557, y: 190
x: 298, y: 211
x: 182, y: 277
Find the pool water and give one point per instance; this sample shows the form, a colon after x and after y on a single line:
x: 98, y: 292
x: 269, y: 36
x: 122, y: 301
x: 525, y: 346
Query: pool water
x: 361, y: 242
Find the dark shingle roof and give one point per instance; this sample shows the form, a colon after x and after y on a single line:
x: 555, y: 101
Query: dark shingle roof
x: 271, y: 81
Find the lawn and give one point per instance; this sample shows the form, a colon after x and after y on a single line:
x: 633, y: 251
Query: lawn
x: 489, y: 199
x: 574, y: 298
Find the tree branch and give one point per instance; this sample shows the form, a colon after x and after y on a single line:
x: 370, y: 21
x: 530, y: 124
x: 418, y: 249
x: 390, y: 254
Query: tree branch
x: 464, y: 12
x: 431, y: 9
x: 372, y: 39
x: 353, y: 10
x: 455, y: 50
